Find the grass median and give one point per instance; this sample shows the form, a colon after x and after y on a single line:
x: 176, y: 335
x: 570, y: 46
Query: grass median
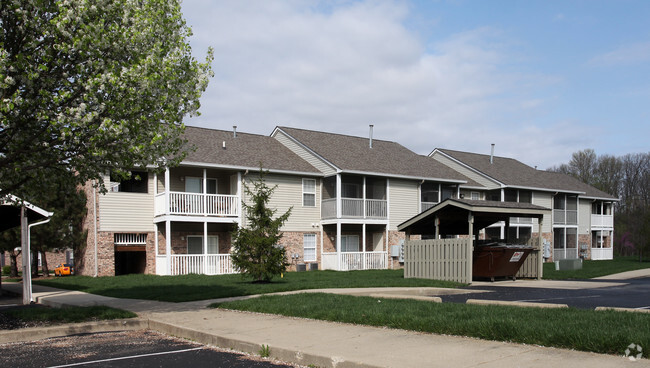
x: 607, y: 332
x: 201, y: 287
x: 591, y: 269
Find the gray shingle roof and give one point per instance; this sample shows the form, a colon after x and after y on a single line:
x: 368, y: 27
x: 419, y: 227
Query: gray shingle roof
x: 247, y: 150
x: 353, y: 154
x: 514, y: 173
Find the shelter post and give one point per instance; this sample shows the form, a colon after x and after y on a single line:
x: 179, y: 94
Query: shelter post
x: 27, y: 264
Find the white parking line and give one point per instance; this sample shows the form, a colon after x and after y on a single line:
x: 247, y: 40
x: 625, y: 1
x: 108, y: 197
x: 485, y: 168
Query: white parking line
x: 122, y: 358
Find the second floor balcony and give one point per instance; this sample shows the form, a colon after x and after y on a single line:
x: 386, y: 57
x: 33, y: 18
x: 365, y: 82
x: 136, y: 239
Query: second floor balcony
x: 355, y: 208
x: 602, y: 221
x: 565, y: 217
x: 197, y: 204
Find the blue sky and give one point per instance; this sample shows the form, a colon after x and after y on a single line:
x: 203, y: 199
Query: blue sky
x: 540, y: 79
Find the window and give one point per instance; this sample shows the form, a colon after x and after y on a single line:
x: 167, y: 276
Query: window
x: 349, y: 243
x: 309, y: 192
x: 137, y: 183
x: 195, y: 244
x: 195, y: 185
x: 475, y: 196
x: 309, y: 247
x: 430, y: 192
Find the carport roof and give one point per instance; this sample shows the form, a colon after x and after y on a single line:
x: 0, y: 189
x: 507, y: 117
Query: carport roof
x: 453, y: 216
x: 10, y: 212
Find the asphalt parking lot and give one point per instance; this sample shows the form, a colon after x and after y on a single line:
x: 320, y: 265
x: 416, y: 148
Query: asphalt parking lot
x: 633, y: 293
x: 123, y: 349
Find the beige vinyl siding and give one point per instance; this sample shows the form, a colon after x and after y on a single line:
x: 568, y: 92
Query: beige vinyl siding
x: 487, y: 183
x: 467, y: 193
x: 403, y: 201
x: 288, y: 193
x: 544, y: 199
x: 584, y: 216
x: 120, y: 211
x: 304, y: 154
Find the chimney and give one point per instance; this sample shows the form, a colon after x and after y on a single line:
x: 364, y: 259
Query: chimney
x: 234, y: 131
x: 492, y: 155
x: 371, y: 126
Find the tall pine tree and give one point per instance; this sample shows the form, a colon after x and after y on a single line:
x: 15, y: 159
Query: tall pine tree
x: 255, y: 248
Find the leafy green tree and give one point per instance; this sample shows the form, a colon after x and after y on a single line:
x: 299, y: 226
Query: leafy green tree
x: 65, y: 230
x: 256, y: 252
x: 92, y: 85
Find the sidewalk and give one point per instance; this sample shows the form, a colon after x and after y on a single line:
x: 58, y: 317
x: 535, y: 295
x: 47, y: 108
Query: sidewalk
x: 325, y: 344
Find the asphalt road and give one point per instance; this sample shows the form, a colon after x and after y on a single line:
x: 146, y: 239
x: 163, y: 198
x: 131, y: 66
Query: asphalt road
x: 634, y: 293
x: 122, y: 349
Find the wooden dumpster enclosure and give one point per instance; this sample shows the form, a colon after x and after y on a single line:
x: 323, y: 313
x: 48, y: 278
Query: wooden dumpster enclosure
x: 451, y: 259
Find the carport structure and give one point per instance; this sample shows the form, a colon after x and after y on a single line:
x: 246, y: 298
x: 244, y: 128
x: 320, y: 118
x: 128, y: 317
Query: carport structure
x: 451, y: 259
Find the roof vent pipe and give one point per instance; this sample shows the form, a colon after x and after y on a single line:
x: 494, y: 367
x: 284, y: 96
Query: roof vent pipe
x: 371, y: 126
x: 234, y: 131
x: 492, y: 154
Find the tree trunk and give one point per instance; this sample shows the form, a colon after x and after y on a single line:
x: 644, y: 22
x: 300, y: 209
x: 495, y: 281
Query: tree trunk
x: 13, y: 257
x: 44, y: 267
x: 35, y: 263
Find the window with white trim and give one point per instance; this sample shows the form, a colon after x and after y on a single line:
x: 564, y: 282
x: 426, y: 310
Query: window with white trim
x: 475, y: 196
x: 309, y: 192
x: 309, y: 247
x: 195, y: 244
x: 349, y: 243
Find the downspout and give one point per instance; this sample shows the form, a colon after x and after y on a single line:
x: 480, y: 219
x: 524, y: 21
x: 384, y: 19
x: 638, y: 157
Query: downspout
x: 95, y: 225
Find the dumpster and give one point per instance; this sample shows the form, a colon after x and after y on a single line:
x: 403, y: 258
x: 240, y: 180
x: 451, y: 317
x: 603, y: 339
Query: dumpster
x: 497, y: 260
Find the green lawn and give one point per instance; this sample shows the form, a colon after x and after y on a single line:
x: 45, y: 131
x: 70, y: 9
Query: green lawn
x: 202, y: 287
x: 602, y: 332
x: 69, y: 314
x: 591, y: 269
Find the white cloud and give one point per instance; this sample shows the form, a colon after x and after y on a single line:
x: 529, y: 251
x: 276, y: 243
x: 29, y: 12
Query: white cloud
x: 634, y: 53
x: 354, y: 64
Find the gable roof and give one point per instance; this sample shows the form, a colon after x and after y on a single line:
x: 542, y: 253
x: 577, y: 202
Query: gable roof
x: 353, y: 155
x: 515, y: 174
x: 10, y: 212
x: 243, y: 151
x: 452, y: 215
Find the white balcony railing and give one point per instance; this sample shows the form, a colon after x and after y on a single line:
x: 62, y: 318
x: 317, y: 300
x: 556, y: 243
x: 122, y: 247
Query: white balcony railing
x: 355, y: 208
x: 602, y: 221
x: 349, y: 261
x: 602, y: 253
x: 521, y: 221
x: 205, y: 264
x: 181, y: 203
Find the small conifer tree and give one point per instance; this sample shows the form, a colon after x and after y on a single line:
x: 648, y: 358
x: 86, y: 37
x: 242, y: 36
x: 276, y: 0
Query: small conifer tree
x: 255, y: 247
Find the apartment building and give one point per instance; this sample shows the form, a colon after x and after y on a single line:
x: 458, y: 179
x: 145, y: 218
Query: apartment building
x: 347, y: 195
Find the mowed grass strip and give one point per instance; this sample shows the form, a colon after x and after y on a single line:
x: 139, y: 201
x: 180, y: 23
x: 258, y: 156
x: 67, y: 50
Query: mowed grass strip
x: 69, y: 314
x: 591, y: 269
x: 601, y: 332
x: 201, y: 287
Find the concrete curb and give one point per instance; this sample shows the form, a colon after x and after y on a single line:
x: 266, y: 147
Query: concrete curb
x: 285, y: 355
x: 634, y: 310
x: 515, y: 304
x: 39, y: 333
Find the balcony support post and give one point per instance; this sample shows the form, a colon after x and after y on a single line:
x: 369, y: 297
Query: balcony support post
x: 205, y: 191
x: 363, y: 195
x: 168, y: 245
